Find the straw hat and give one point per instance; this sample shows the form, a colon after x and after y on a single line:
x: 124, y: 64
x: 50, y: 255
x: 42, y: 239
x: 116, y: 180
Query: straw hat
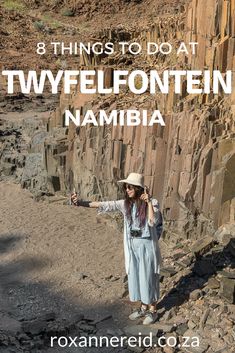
x: 134, y: 179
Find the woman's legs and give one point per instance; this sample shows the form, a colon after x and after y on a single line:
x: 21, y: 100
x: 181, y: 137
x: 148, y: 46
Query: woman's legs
x: 143, y: 282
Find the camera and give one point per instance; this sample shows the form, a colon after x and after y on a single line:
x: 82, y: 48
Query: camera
x: 136, y: 233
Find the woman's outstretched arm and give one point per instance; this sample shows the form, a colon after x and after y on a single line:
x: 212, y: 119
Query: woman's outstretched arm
x: 82, y: 203
x: 103, y: 206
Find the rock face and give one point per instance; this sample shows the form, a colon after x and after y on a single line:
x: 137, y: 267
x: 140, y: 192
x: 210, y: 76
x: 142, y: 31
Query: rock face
x: 189, y: 164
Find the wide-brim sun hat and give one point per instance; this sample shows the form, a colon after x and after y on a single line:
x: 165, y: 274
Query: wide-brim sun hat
x: 134, y: 179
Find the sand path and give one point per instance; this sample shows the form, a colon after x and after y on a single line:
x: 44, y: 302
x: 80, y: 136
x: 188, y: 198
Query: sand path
x: 58, y: 257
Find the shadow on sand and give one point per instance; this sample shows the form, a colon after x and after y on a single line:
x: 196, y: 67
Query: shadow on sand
x: 27, y: 300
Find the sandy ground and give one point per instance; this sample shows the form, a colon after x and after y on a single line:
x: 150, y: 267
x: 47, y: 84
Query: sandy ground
x: 58, y: 257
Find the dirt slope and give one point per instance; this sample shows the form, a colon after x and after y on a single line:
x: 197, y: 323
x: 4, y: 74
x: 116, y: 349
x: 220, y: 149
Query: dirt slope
x: 68, y: 252
x: 23, y: 24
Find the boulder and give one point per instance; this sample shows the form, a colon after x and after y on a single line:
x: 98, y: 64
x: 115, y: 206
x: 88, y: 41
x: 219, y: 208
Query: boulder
x: 228, y: 289
x: 225, y: 233
x: 168, y: 271
x: 213, y: 283
x: 201, y: 246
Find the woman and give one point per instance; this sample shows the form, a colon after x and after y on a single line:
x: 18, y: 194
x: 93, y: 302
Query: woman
x: 142, y: 229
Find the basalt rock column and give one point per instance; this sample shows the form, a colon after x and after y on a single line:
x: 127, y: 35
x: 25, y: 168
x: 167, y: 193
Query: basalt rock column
x: 189, y: 164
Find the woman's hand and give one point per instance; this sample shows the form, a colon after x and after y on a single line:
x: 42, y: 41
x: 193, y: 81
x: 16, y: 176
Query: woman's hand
x: 145, y: 196
x: 76, y: 202
x: 74, y: 199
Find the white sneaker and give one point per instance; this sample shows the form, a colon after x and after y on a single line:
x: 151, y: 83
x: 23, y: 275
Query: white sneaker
x: 138, y: 313
x: 150, y: 318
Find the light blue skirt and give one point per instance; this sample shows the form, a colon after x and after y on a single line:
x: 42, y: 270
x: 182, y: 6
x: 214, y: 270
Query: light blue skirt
x: 143, y: 282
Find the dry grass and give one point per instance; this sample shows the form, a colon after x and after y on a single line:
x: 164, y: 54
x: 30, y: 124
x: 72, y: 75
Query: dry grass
x: 50, y: 21
x: 13, y: 5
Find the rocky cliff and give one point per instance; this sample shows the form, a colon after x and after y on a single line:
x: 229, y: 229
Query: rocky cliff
x: 189, y: 164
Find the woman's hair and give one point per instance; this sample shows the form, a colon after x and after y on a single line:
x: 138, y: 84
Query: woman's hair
x: 141, y: 204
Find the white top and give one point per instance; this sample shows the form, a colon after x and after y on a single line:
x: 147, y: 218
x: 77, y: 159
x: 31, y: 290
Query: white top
x: 152, y: 230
